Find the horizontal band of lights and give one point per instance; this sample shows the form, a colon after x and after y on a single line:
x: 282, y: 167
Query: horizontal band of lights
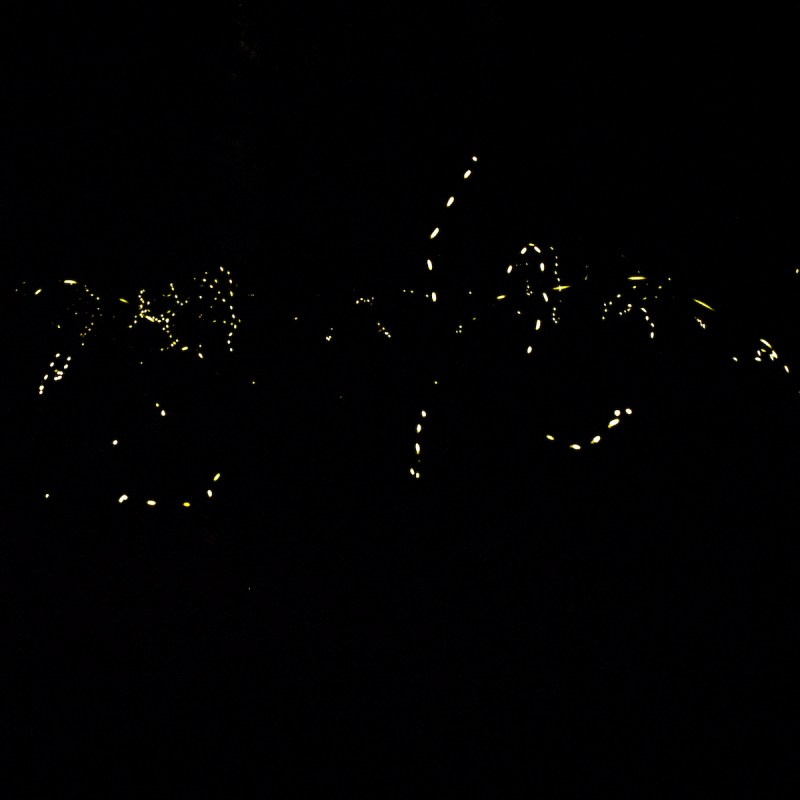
x: 524, y: 294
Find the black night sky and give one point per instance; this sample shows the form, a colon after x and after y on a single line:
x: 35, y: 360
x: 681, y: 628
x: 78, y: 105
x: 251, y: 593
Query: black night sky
x: 336, y: 484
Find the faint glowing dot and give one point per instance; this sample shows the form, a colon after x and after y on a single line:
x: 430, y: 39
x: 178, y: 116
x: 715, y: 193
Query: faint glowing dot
x: 151, y: 502
x: 209, y: 493
x: 575, y: 446
x: 123, y: 498
x: 450, y: 202
x: 616, y: 413
x: 433, y: 296
x: 595, y: 440
x: 468, y: 173
x: 435, y: 233
x: 551, y: 438
x: 628, y: 411
x: 613, y: 423
x: 530, y: 349
x: 430, y: 266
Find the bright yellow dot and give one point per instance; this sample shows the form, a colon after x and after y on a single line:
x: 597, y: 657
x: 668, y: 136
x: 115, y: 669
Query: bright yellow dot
x: 151, y: 502
x: 433, y: 296
x: 416, y: 447
x: 115, y: 441
x: 613, y: 423
x: 186, y: 505
x: 435, y: 233
x: 450, y: 202
x: 468, y: 173
x: 575, y: 446
x: 37, y: 291
x: 510, y: 267
x: 636, y: 278
x: 430, y: 266
x: 501, y: 297
x: 595, y: 440
x: 616, y: 413
x: 419, y: 428
x: 123, y: 300
x: 123, y: 498
x: 628, y: 411
x: 530, y: 349
x: 538, y: 324
x: 424, y: 413
x: 551, y: 438
x: 209, y: 493
x: 216, y: 477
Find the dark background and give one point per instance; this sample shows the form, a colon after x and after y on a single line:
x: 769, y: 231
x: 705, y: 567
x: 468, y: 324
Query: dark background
x: 514, y: 613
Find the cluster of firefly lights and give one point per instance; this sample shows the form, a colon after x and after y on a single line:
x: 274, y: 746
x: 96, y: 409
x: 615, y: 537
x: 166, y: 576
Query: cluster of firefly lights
x: 211, y: 301
x: 524, y: 291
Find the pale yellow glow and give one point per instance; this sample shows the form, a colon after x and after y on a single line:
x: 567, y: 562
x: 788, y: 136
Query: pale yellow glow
x: 530, y: 349
x: 416, y: 447
x: 537, y: 249
x: 151, y: 502
x: 187, y: 505
x: 541, y: 266
x: 575, y: 446
x: 501, y: 297
x: 163, y: 413
x: 123, y: 300
x: 510, y: 267
x: 595, y: 440
x: 450, y: 202
x: 613, y: 423
x: 424, y: 413
x: 70, y: 282
x: 523, y: 251
x: 435, y: 233
x: 468, y: 173
x: 764, y: 341
x: 123, y: 498
x: 551, y: 438
x: 700, y: 302
x: 628, y: 411
x: 209, y: 493
x: 419, y: 428
x: 216, y: 477
x: 636, y: 278
x: 430, y: 266
x: 115, y: 441
x: 544, y: 294
x: 538, y: 324
x: 433, y: 296
x: 616, y: 412
x: 474, y: 158
x: 37, y: 291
